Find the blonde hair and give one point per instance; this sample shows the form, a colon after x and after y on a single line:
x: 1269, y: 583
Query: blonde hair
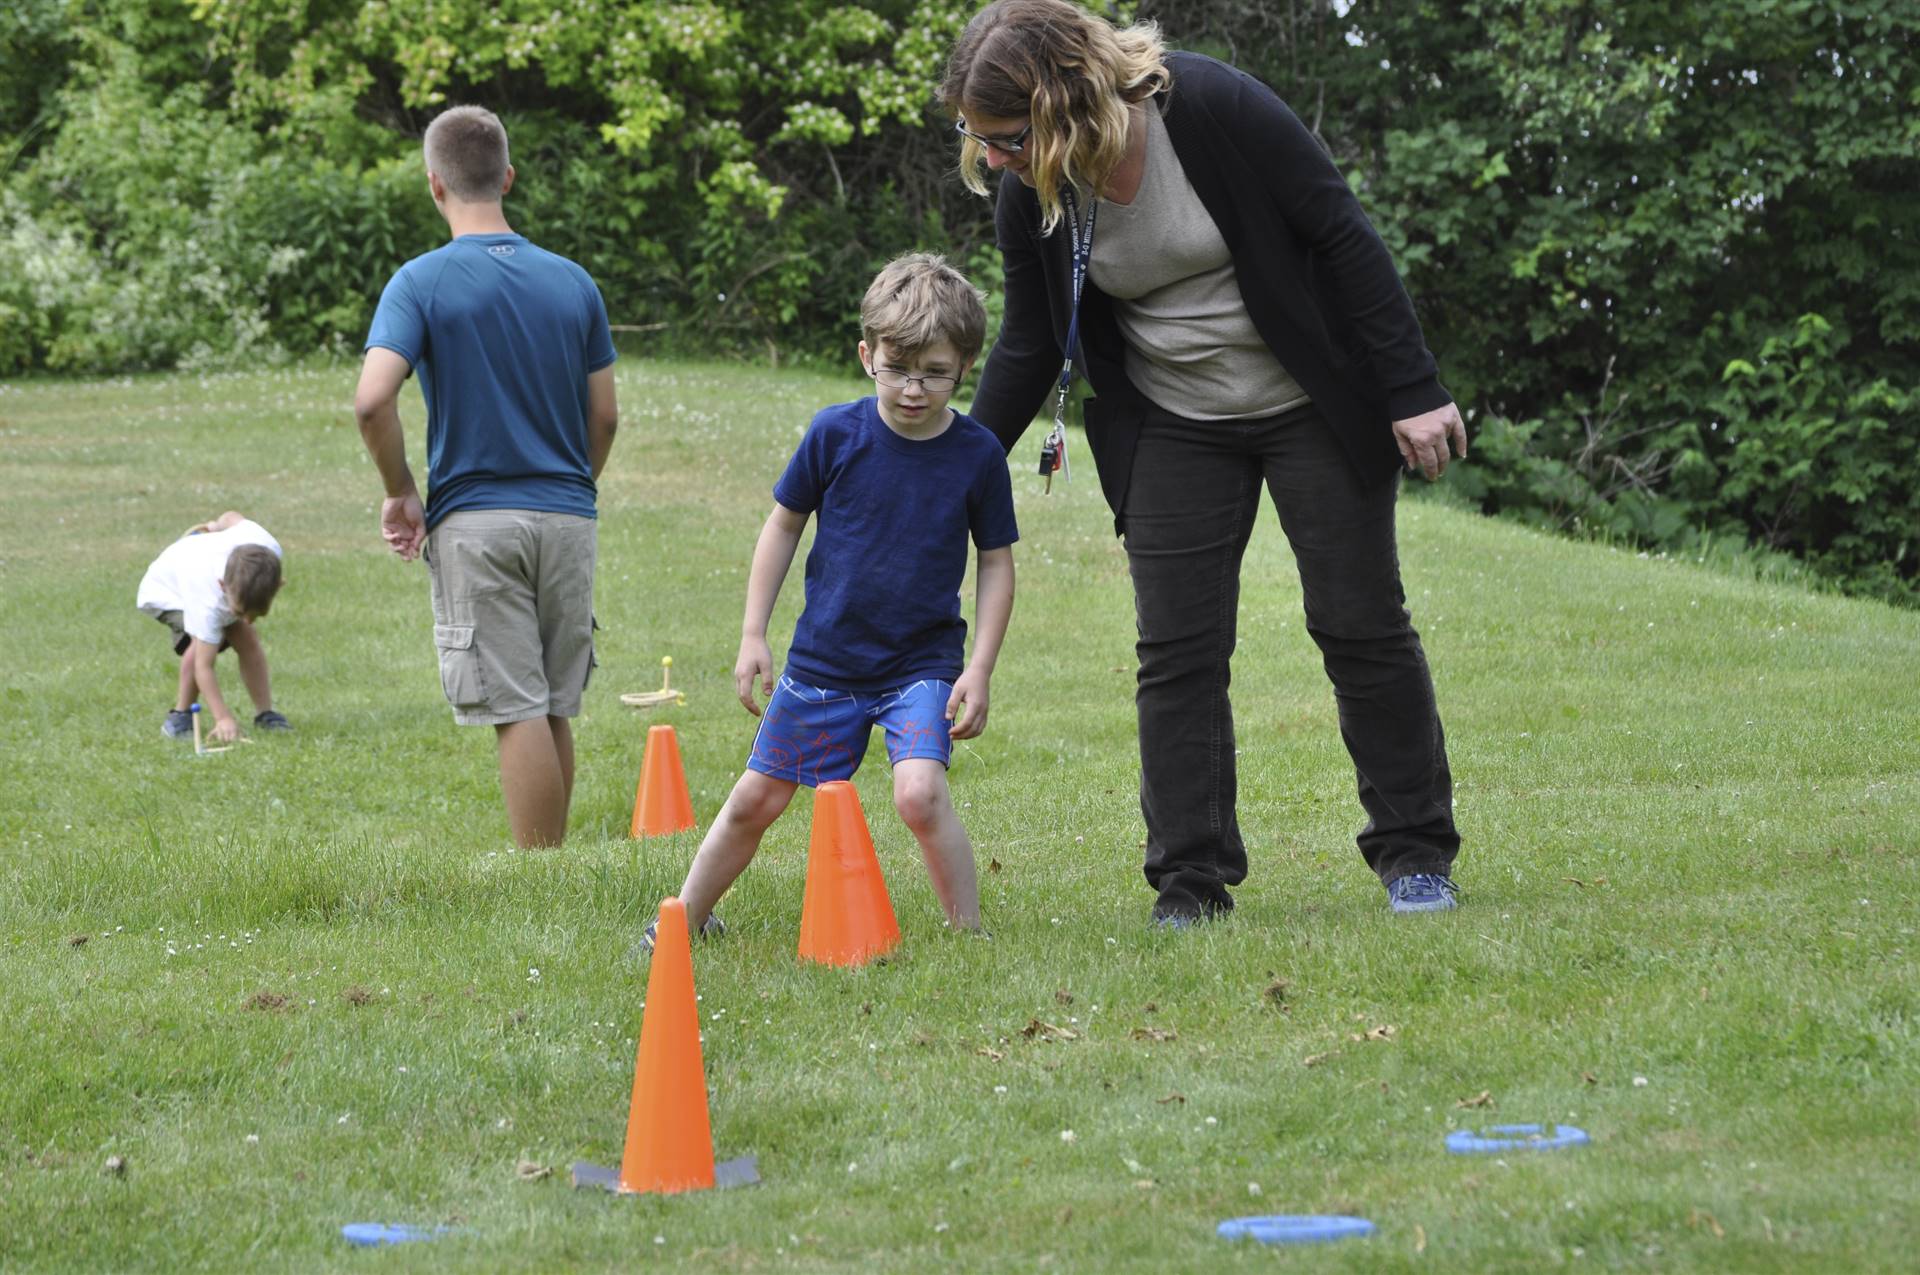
x: 467, y: 146
x: 1072, y: 74
x: 918, y: 300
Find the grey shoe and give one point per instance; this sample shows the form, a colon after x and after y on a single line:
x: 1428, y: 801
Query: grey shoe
x: 711, y: 928
x: 270, y: 720
x: 178, y: 724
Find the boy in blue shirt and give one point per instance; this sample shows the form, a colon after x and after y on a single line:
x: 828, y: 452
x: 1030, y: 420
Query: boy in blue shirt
x: 901, y: 482
x: 516, y: 366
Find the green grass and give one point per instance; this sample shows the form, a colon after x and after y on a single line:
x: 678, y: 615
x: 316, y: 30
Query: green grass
x: 1691, y: 805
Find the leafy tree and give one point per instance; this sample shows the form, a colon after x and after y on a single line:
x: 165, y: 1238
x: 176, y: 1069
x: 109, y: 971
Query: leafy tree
x: 734, y: 169
x: 1669, y: 256
x: 1600, y: 206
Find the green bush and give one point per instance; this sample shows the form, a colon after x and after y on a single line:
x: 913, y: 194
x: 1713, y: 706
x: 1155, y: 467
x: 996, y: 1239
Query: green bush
x: 1600, y: 207
x: 1618, y: 219
x: 1821, y: 462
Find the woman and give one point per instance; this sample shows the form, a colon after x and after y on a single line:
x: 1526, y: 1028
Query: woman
x: 1239, y: 322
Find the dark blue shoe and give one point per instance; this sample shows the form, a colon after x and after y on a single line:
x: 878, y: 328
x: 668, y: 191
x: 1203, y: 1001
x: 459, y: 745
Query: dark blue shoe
x: 178, y: 724
x: 1422, y: 892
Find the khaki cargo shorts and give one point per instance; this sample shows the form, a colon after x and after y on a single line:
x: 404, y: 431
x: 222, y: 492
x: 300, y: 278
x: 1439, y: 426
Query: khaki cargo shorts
x: 176, y: 622
x: 512, y: 612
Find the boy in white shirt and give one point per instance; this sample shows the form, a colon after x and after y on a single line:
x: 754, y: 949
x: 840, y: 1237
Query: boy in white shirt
x: 208, y: 587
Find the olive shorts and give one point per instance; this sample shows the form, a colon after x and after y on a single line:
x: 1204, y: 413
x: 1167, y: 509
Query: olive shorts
x: 512, y: 612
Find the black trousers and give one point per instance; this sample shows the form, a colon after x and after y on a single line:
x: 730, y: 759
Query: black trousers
x: 1190, y: 507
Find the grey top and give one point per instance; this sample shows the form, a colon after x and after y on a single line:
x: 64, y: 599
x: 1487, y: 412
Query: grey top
x: 1191, y: 346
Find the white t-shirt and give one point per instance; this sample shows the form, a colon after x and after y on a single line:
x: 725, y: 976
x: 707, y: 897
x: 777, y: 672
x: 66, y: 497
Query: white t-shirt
x: 187, y: 576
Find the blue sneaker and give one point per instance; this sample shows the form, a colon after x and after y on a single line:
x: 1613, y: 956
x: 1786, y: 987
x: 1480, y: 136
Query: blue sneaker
x: 1422, y: 892
x: 178, y: 724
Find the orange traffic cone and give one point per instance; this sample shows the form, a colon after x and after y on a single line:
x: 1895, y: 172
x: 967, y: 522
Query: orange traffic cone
x: 669, y: 1137
x: 669, y: 1131
x: 661, y: 805
x: 847, y: 918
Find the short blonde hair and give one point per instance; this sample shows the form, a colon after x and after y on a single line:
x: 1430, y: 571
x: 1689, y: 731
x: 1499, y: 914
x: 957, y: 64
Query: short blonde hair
x: 467, y: 147
x: 918, y: 300
x: 1070, y: 73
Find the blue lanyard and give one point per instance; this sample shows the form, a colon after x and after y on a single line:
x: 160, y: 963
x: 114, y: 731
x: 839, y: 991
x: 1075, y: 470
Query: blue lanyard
x: 1082, y: 260
x: 1053, y: 452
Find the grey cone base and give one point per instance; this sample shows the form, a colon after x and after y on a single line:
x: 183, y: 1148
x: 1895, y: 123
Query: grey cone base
x: 740, y: 1171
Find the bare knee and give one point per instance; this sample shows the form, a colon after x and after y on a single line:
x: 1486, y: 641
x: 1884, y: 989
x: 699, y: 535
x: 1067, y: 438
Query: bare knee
x: 757, y: 800
x: 921, y: 798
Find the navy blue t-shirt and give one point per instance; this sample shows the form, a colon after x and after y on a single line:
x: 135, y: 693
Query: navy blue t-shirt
x: 502, y: 335
x: 890, y: 549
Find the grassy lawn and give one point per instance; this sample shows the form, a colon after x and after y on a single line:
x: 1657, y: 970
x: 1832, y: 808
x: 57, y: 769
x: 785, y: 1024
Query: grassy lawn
x: 307, y: 983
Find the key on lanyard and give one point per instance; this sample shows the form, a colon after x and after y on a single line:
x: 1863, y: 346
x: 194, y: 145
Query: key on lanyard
x: 1053, y: 454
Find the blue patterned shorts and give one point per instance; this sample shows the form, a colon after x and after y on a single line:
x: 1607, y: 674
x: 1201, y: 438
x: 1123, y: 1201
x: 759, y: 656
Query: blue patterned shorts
x: 811, y: 734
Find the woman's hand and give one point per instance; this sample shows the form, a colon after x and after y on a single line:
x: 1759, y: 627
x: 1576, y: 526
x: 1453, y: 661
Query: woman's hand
x: 1423, y: 439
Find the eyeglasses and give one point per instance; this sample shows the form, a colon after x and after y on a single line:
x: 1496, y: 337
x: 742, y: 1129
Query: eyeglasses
x: 900, y: 380
x: 1005, y: 145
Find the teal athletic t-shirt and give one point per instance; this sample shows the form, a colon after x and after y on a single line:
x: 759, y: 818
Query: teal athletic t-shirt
x: 502, y: 335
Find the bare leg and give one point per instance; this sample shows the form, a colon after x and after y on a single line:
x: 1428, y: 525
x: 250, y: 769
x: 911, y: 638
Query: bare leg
x: 920, y: 795
x: 533, y: 783
x: 183, y: 700
x: 245, y: 641
x: 755, y: 802
x: 563, y: 749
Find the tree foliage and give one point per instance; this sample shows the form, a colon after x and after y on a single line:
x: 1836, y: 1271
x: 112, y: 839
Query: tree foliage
x: 1669, y: 256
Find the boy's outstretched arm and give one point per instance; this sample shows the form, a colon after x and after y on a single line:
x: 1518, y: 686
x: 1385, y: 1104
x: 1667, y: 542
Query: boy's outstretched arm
x: 226, y: 728
x: 992, y: 608
x: 231, y: 518
x: 376, y: 406
x: 772, y: 555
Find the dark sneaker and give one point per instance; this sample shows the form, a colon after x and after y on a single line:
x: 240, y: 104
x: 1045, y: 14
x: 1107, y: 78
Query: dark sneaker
x: 1422, y: 892
x: 270, y: 720
x: 1185, y: 913
x: 711, y: 928
x: 178, y: 725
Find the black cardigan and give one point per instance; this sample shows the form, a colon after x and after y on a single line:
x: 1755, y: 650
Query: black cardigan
x: 1317, y: 282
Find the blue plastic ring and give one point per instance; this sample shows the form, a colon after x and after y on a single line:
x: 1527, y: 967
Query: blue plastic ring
x: 1295, y: 1228
x: 1516, y: 1137
x: 374, y: 1234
